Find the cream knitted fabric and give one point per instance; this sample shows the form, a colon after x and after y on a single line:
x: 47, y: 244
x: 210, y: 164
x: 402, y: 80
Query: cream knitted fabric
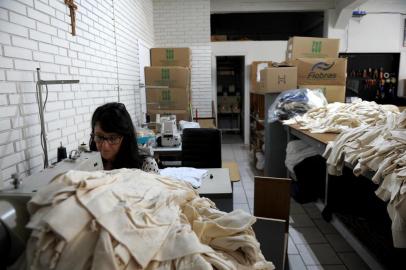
x: 381, y: 149
x: 130, y: 219
x: 336, y: 117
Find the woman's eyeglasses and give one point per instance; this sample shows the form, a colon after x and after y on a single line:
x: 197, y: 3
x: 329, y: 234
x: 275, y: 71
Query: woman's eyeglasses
x: 114, y: 139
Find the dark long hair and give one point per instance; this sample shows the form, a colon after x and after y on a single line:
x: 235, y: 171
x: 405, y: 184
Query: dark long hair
x: 114, y: 117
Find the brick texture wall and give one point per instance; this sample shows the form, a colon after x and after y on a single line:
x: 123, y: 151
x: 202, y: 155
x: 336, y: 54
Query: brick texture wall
x: 103, y: 56
x: 186, y: 23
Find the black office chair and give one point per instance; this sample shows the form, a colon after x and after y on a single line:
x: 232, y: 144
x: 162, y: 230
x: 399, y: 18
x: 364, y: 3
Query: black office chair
x: 201, y: 148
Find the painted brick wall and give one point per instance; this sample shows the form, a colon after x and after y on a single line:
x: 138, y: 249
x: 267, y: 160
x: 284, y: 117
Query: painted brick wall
x: 36, y: 33
x: 186, y: 23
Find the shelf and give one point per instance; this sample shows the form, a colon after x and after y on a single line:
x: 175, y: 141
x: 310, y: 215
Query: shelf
x: 229, y: 129
x: 261, y: 121
x: 228, y: 113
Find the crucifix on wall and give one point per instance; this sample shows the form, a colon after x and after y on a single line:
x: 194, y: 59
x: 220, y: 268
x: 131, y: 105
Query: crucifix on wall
x: 72, y: 8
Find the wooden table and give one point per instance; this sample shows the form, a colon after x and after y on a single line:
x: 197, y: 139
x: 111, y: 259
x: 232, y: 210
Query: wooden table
x: 316, y: 140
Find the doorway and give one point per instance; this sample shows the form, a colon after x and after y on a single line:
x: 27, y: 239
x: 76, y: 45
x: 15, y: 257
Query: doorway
x: 230, y: 97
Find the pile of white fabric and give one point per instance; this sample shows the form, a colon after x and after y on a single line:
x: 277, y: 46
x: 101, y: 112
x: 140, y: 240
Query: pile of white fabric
x: 382, y: 150
x: 191, y: 175
x: 129, y: 219
x: 336, y: 117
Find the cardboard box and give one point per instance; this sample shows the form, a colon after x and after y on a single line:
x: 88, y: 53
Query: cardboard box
x: 312, y: 47
x: 321, y: 71
x: 172, y: 77
x: 333, y: 93
x: 171, y: 57
x: 218, y: 37
x: 278, y: 79
x: 256, y: 67
x: 167, y: 99
x: 207, y: 122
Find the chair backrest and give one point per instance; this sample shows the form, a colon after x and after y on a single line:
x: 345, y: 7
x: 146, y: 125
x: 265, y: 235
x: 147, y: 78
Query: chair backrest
x: 201, y: 148
x: 272, y: 238
x: 272, y: 198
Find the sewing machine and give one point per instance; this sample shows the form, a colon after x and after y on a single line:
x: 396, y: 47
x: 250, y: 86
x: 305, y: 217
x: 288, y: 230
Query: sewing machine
x: 170, y: 136
x: 14, y: 198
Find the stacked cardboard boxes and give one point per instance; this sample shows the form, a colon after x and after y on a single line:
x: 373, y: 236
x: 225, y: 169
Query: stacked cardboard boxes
x: 318, y: 65
x: 168, y: 82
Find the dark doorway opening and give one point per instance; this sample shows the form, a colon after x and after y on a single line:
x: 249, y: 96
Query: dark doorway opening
x: 230, y: 95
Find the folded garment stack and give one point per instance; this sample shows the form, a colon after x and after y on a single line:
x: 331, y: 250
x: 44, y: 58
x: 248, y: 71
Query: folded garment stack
x: 129, y: 219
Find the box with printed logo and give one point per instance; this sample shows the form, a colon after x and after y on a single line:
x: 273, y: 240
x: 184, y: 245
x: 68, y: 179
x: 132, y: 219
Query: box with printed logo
x: 321, y: 71
x: 333, y: 93
x: 167, y: 99
x: 176, y: 77
x: 167, y: 88
x: 312, y: 47
x: 277, y: 79
x: 171, y: 57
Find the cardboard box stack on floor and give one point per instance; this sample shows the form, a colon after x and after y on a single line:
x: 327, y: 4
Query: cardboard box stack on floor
x: 318, y: 65
x: 167, y: 83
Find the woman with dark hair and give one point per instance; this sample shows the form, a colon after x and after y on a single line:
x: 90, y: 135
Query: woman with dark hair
x: 113, y: 135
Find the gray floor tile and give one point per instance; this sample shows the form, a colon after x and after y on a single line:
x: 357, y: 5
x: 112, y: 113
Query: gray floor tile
x: 296, y: 262
x: 296, y: 208
x: 292, y: 247
x: 239, y: 197
x: 238, y: 185
x: 307, y: 243
x: 306, y: 235
x: 338, y: 243
x: 353, y: 261
x: 250, y: 201
x: 248, y: 186
x: 242, y: 206
x: 318, y: 254
x: 227, y: 153
x: 301, y: 220
x: 312, y: 210
x: 324, y: 226
x: 327, y: 267
x: 249, y: 193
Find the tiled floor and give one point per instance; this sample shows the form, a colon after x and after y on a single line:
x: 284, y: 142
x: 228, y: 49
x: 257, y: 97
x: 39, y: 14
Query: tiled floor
x: 313, y: 243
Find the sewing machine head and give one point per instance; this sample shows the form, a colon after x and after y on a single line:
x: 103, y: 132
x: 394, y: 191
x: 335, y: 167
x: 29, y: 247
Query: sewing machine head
x: 168, y: 127
x: 13, y: 201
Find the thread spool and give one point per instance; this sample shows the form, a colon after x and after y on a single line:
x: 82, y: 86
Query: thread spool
x: 61, y: 153
x: 83, y: 147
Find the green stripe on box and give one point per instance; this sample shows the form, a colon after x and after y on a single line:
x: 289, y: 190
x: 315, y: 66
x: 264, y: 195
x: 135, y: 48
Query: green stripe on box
x: 166, y: 95
x: 169, y: 54
x: 165, y: 74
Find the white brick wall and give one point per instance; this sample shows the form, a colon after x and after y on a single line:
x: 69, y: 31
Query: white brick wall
x: 36, y: 33
x: 186, y: 23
